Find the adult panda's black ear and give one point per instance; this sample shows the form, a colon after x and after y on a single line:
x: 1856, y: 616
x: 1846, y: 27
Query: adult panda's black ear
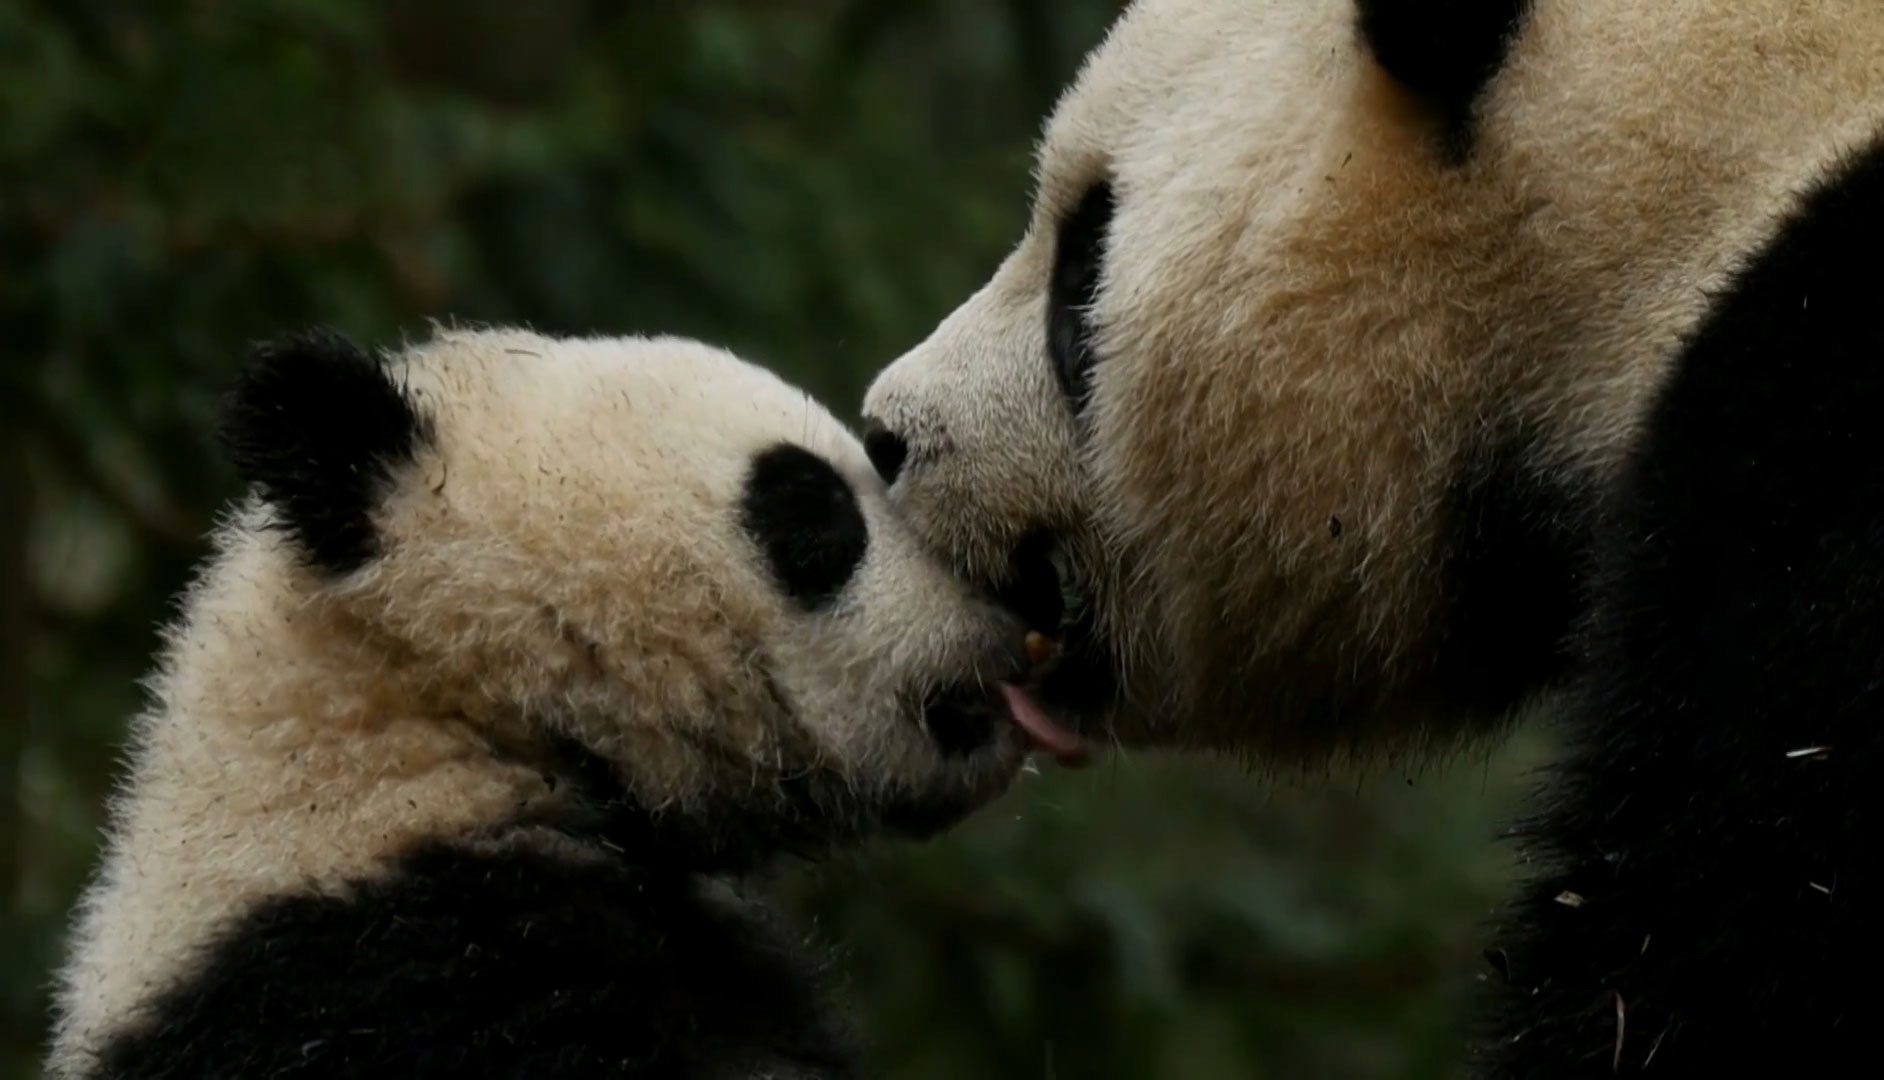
x: 317, y: 426
x: 1443, y: 50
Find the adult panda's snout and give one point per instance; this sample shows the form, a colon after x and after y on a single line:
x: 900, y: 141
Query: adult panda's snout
x: 972, y: 430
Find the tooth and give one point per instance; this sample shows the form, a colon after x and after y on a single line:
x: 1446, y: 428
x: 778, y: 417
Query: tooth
x: 1041, y: 649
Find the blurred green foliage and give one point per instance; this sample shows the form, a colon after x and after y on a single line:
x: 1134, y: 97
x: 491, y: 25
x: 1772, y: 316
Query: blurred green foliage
x: 812, y: 182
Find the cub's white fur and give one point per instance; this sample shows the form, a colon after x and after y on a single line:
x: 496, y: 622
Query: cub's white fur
x: 563, y: 553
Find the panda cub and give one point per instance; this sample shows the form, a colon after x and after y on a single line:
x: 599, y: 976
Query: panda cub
x: 520, y: 651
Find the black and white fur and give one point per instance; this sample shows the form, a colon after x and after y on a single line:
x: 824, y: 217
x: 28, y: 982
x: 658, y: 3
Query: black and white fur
x: 520, y: 655
x: 1372, y: 370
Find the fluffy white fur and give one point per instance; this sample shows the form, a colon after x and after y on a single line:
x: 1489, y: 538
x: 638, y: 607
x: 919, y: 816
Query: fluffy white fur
x: 1306, y: 317
x: 564, y: 553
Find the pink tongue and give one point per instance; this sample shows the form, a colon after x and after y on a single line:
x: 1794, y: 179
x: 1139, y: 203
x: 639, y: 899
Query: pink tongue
x: 1065, y: 746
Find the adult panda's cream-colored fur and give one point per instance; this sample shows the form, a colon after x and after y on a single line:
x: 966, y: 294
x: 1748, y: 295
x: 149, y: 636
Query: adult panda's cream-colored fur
x: 1310, y: 321
x: 561, y: 554
x: 1373, y: 369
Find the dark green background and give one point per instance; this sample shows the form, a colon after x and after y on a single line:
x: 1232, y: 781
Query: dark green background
x: 812, y: 182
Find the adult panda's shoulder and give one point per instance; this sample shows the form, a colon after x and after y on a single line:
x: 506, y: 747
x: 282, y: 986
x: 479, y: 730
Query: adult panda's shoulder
x: 1713, y: 891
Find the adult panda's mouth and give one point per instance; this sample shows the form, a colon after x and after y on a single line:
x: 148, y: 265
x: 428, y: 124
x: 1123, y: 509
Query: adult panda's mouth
x: 964, y: 718
x: 1076, y: 683
x: 1039, y: 586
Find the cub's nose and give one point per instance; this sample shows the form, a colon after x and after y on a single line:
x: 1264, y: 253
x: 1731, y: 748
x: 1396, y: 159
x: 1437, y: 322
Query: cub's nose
x: 886, y: 449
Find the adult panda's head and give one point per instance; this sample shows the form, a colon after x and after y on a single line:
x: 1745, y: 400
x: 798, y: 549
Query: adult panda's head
x: 645, y: 553
x: 1329, y: 328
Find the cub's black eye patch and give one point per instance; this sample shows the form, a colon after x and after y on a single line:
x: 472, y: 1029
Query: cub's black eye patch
x: 1079, y: 255
x: 317, y: 426
x: 806, y: 520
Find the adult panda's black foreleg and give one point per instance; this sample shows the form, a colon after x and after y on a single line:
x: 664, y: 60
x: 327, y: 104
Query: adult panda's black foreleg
x: 1711, y: 855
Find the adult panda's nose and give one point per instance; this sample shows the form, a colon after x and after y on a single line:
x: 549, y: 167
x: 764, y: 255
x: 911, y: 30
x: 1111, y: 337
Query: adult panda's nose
x: 886, y: 449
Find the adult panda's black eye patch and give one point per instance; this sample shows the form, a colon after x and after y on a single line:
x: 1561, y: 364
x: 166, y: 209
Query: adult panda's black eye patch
x: 806, y: 521
x: 1079, y: 255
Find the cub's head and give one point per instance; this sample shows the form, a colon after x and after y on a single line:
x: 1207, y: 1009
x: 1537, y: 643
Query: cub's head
x: 1331, y: 323
x: 645, y: 554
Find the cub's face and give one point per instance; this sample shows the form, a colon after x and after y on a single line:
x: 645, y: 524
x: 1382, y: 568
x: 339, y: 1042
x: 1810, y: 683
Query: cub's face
x: 649, y: 546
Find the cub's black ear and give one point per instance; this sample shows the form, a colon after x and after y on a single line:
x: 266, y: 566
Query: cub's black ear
x: 1443, y: 50
x: 316, y: 426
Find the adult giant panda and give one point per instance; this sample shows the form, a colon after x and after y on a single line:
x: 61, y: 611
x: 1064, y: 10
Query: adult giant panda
x: 519, y: 647
x: 1369, y: 371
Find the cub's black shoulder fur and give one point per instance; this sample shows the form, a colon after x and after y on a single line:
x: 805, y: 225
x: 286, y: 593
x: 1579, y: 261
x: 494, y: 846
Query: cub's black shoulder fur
x: 1711, y: 885
x: 541, y: 950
